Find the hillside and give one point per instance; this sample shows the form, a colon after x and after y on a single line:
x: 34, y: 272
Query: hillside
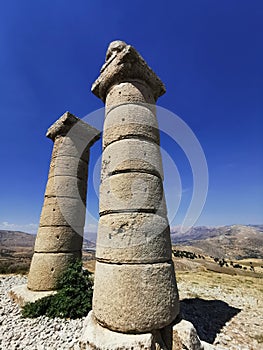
x: 15, y: 241
x: 231, y: 242
x: 16, y: 250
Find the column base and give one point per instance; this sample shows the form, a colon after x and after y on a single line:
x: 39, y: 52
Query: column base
x: 22, y: 295
x: 181, y: 335
x: 95, y: 336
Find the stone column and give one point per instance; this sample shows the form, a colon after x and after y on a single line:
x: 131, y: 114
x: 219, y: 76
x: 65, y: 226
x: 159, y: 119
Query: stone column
x: 60, y: 234
x: 135, y: 288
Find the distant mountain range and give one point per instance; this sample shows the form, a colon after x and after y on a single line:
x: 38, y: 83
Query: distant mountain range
x: 17, y: 241
x: 231, y: 242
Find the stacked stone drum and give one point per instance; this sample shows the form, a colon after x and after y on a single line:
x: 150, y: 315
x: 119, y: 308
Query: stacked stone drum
x: 60, y: 234
x: 135, y: 288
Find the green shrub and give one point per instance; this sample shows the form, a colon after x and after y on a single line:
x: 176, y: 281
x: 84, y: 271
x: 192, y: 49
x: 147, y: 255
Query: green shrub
x: 14, y: 267
x: 21, y: 268
x: 72, y: 300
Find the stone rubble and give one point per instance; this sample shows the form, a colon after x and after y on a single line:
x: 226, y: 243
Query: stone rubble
x: 43, y: 333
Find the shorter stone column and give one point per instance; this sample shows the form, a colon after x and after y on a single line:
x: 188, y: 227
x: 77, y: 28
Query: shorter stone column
x: 60, y: 234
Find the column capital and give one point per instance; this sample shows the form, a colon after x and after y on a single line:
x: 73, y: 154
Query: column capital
x: 81, y: 129
x: 123, y: 63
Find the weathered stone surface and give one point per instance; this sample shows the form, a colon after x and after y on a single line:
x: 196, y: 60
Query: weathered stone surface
x: 135, y: 289
x: 135, y: 298
x: 46, y: 268
x: 124, y: 65
x: 130, y: 120
x: 62, y: 126
x: 66, y: 186
x: 97, y: 337
x: 22, y: 295
x: 208, y: 346
x: 68, y: 166
x: 114, y: 48
x: 62, y: 211
x: 188, y: 336
x: 177, y: 344
x: 131, y: 92
x: 69, y: 147
x: 58, y: 239
x: 132, y: 192
x: 131, y: 155
x: 133, y: 237
x: 75, y: 128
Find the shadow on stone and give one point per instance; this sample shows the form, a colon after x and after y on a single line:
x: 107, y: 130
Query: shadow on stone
x: 207, y: 316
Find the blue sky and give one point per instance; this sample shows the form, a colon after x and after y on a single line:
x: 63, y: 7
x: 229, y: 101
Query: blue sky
x: 209, y: 55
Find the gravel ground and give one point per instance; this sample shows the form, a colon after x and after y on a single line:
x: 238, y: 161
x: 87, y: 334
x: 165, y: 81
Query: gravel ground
x: 228, y: 314
x: 41, y: 333
x: 229, y: 320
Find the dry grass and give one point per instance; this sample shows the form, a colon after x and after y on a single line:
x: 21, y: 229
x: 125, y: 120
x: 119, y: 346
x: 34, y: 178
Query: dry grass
x: 89, y: 265
x: 211, y: 279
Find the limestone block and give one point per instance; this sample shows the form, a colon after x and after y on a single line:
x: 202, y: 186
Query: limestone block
x: 66, y: 186
x: 188, y: 335
x: 68, y: 125
x: 46, y: 268
x: 133, y: 238
x: 132, y: 191
x: 97, y: 337
x: 135, y: 297
x: 208, y: 346
x: 114, y: 48
x: 62, y: 211
x: 21, y: 295
x: 135, y: 92
x: 130, y: 120
x: 131, y: 155
x: 58, y: 239
x: 68, y: 166
x: 126, y: 65
x: 71, y: 147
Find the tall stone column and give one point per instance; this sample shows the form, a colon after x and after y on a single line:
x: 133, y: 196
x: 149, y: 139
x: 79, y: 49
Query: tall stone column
x: 60, y: 234
x: 135, y: 288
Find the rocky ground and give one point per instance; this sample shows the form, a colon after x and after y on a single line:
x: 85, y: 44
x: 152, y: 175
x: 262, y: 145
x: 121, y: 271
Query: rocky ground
x: 41, y: 333
x: 226, y: 311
